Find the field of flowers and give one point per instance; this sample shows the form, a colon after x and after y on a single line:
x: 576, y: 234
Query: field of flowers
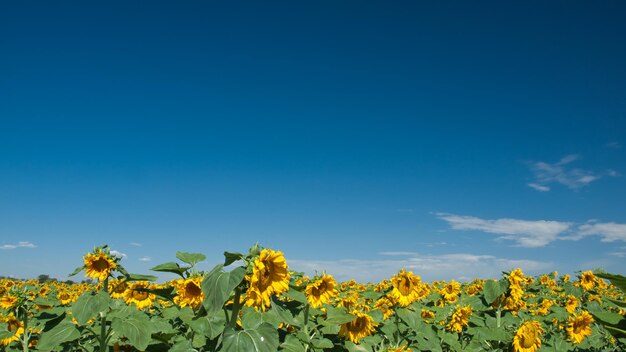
x: 253, y: 302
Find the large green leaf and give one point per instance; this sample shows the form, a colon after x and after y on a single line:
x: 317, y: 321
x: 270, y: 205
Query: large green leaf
x: 337, y: 316
x: 618, y: 280
x: 210, y: 327
x: 230, y: 257
x: 63, y: 332
x: 292, y: 344
x: 190, y: 258
x: 136, y: 328
x: 170, y: 267
x: 218, y: 286
x: 262, y: 339
x: 88, y: 305
x: 604, y: 315
x: 494, y: 289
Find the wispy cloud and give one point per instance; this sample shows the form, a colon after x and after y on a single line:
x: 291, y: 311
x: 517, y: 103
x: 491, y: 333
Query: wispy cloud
x: 614, y: 145
x: 608, y: 231
x: 135, y: 244
x: 561, y: 172
x: 21, y: 244
x: 458, y: 266
x: 525, y: 233
x: 118, y: 254
x: 145, y: 259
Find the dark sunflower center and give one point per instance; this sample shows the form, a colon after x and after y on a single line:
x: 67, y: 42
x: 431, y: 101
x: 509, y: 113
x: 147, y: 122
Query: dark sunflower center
x: 193, y: 290
x: 100, y: 264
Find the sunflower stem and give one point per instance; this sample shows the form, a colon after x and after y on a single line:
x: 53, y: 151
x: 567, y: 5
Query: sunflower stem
x: 306, y: 319
x: 26, y: 337
x: 236, y: 307
x: 103, y: 332
x: 105, y: 285
x: 498, y: 316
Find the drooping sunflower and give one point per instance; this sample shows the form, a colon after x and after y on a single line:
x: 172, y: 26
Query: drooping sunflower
x: 66, y: 297
x: 117, y: 288
x: 405, y: 288
x: 15, y: 326
x: 8, y: 301
x: 137, y: 294
x: 270, y: 276
x: 321, y: 291
x: 459, y: 319
x: 362, y: 326
x: 427, y: 314
x: 578, y: 326
x: 571, y: 304
x: 99, y: 264
x: 384, y: 305
x: 450, y: 292
x: 188, y: 292
x: 528, y: 337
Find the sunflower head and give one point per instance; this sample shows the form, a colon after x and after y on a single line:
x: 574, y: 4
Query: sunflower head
x: 527, y: 338
x: 14, y: 326
x: 270, y: 276
x: 578, y: 327
x: 362, y: 326
x: 188, y: 292
x: 99, y: 264
x: 321, y: 291
x: 138, y: 294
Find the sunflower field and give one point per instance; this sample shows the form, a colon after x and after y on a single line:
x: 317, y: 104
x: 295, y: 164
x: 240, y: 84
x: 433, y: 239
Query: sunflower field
x: 253, y: 302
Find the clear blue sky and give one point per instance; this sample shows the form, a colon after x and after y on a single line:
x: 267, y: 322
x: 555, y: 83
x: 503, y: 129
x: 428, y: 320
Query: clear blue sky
x: 455, y: 139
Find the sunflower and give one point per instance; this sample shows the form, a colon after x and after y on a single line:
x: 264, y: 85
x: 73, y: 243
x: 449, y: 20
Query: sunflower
x: 66, y: 297
x: 571, y: 304
x: 527, y: 337
x: 15, y: 326
x: 188, y: 292
x: 384, y: 305
x: 117, y: 288
x: 405, y: 288
x: 8, y: 301
x: 587, y: 280
x: 137, y: 294
x: 403, y: 348
x: 99, y: 264
x: 459, y: 319
x: 578, y: 327
x: 362, y: 326
x: 427, y: 314
x: 269, y: 277
x: 450, y: 292
x: 321, y: 291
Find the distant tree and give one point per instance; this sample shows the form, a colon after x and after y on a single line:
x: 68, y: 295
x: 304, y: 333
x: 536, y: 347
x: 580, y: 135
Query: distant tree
x: 43, y: 278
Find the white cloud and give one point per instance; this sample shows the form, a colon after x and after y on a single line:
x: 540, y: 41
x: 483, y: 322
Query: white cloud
x: 457, y: 266
x: 21, y: 244
x: 560, y: 172
x: 145, y: 259
x: 537, y: 233
x: 538, y: 187
x: 398, y: 253
x: 118, y: 254
x: 135, y: 244
x: 608, y: 231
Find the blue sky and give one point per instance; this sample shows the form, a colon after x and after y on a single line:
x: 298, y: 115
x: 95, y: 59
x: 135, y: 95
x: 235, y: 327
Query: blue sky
x: 454, y: 139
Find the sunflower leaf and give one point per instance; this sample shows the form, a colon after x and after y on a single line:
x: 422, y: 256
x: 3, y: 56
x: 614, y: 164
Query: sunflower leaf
x: 230, y: 257
x: 136, y: 328
x: 171, y: 267
x: 63, y: 332
x: 262, y: 339
x: 77, y: 270
x: 88, y: 305
x: 218, y: 286
x: 190, y: 258
x: 140, y: 277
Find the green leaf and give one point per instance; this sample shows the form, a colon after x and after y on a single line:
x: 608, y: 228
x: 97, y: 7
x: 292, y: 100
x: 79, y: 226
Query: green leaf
x: 190, y: 258
x: 77, y: 270
x: 4, y: 331
x: 618, y: 280
x: 322, y: 343
x: 603, y: 315
x: 210, y: 327
x: 171, y: 267
x: 63, y: 332
x: 140, y: 277
x: 410, y: 318
x: 88, y: 305
x: 295, y: 295
x: 262, y: 339
x: 337, y: 316
x: 182, y: 346
x: 493, y: 289
x: 292, y: 344
x: 218, y: 286
x: 251, y: 318
x: 231, y: 257
x: 136, y: 328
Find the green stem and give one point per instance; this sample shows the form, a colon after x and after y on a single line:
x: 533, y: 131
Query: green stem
x: 397, y: 321
x: 26, y: 337
x: 498, y: 314
x: 105, y: 285
x: 306, y: 319
x: 236, y: 306
x: 103, y: 332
